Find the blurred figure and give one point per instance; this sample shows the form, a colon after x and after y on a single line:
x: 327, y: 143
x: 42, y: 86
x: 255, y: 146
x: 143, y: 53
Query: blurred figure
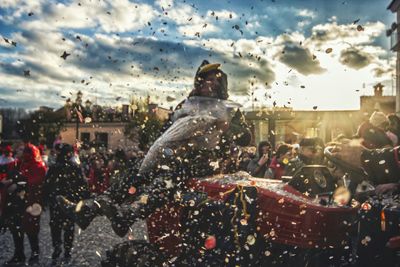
x: 373, y: 133
x: 65, y: 177
x: 245, y: 157
x: 231, y: 163
x: 259, y: 165
x: 7, y: 160
x: 117, y: 165
x: 393, y: 130
x: 99, y: 176
x: 75, y: 156
x: 25, y: 204
x: 201, y: 130
x: 6, y: 155
x: 45, y: 158
x: 311, y: 152
x: 283, y: 155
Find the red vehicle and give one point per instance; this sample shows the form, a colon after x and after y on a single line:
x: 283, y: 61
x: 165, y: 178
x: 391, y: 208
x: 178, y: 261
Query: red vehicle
x: 286, y: 216
x: 236, y: 219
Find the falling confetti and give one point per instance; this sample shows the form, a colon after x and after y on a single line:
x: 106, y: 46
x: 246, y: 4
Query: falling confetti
x: 65, y: 55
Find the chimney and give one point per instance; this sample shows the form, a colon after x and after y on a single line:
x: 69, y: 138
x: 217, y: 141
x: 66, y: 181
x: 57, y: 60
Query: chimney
x: 125, y: 112
x: 378, y: 89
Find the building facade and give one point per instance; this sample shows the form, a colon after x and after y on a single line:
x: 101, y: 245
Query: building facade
x: 109, y: 135
x: 109, y: 132
x: 289, y: 126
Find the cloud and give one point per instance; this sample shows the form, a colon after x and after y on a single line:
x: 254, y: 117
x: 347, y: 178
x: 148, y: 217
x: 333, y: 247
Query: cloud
x: 333, y: 33
x: 119, y: 53
x: 355, y: 58
x: 166, y: 4
x: 382, y: 71
x: 306, y: 13
x: 300, y: 58
x: 13, y: 10
x: 108, y: 16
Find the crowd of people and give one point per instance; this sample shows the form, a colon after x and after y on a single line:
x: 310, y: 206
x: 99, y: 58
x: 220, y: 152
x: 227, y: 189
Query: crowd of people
x: 378, y: 132
x: 31, y: 178
x: 204, y: 138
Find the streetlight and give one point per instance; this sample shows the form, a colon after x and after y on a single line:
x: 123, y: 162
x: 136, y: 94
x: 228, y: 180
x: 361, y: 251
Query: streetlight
x: 78, y: 112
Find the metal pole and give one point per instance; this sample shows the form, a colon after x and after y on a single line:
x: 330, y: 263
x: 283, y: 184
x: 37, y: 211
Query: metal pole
x: 272, y: 129
x: 77, y: 129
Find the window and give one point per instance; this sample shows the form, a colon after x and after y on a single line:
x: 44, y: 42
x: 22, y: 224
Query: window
x: 85, y: 138
x: 101, y: 139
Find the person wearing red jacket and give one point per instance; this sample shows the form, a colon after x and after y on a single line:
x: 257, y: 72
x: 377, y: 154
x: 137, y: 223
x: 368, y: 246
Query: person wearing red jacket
x: 99, y: 176
x: 278, y: 164
x: 24, y: 203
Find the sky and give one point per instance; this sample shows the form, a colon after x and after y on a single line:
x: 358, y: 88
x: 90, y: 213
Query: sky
x: 302, y: 54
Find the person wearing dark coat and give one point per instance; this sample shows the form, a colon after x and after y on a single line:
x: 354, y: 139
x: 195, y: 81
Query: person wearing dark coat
x: 202, y: 130
x: 63, y: 178
x: 381, y: 165
x: 310, y: 153
x: 259, y: 165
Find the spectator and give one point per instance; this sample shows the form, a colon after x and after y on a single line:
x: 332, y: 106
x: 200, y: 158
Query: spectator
x: 7, y: 155
x: 393, y: 130
x: 9, y: 162
x: 373, y: 133
x: 276, y: 169
x: 245, y: 157
x: 231, y: 163
x: 98, y: 175
x: 311, y: 151
x: 259, y: 165
x: 65, y: 178
x: 117, y: 165
x: 24, y: 204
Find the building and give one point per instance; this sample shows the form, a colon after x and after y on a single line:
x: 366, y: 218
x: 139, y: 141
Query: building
x: 393, y: 33
x: 378, y: 101
x: 102, y: 134
x: 289, y: 126
x: 106, y: 128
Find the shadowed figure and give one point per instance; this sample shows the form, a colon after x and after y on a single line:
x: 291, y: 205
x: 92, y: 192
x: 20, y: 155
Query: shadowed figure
x: 197, y: 137
x: 63, y: 178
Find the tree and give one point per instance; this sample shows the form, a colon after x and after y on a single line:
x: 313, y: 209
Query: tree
x: 42, y: 126
x: 143, y: 128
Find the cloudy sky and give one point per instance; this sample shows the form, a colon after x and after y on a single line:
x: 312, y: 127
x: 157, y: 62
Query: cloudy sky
x: 297, y: 53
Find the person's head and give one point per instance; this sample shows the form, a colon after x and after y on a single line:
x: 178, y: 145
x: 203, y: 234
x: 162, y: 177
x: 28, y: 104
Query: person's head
x: 65, y: 152
x: 210, y: 81
x: 120, y: 155
x: 284, y: 153
x: 295, y: 150
x: 379, y: 120
x: 98, y: 161
x: 31, y: 154
x: 7, y: 151
x: 394, y: 123
x: 372, y: 136
x: 264, y: 147
x: 311, y: 148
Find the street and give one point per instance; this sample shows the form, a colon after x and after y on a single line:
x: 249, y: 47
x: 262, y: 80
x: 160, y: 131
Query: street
x: 89, y: 245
